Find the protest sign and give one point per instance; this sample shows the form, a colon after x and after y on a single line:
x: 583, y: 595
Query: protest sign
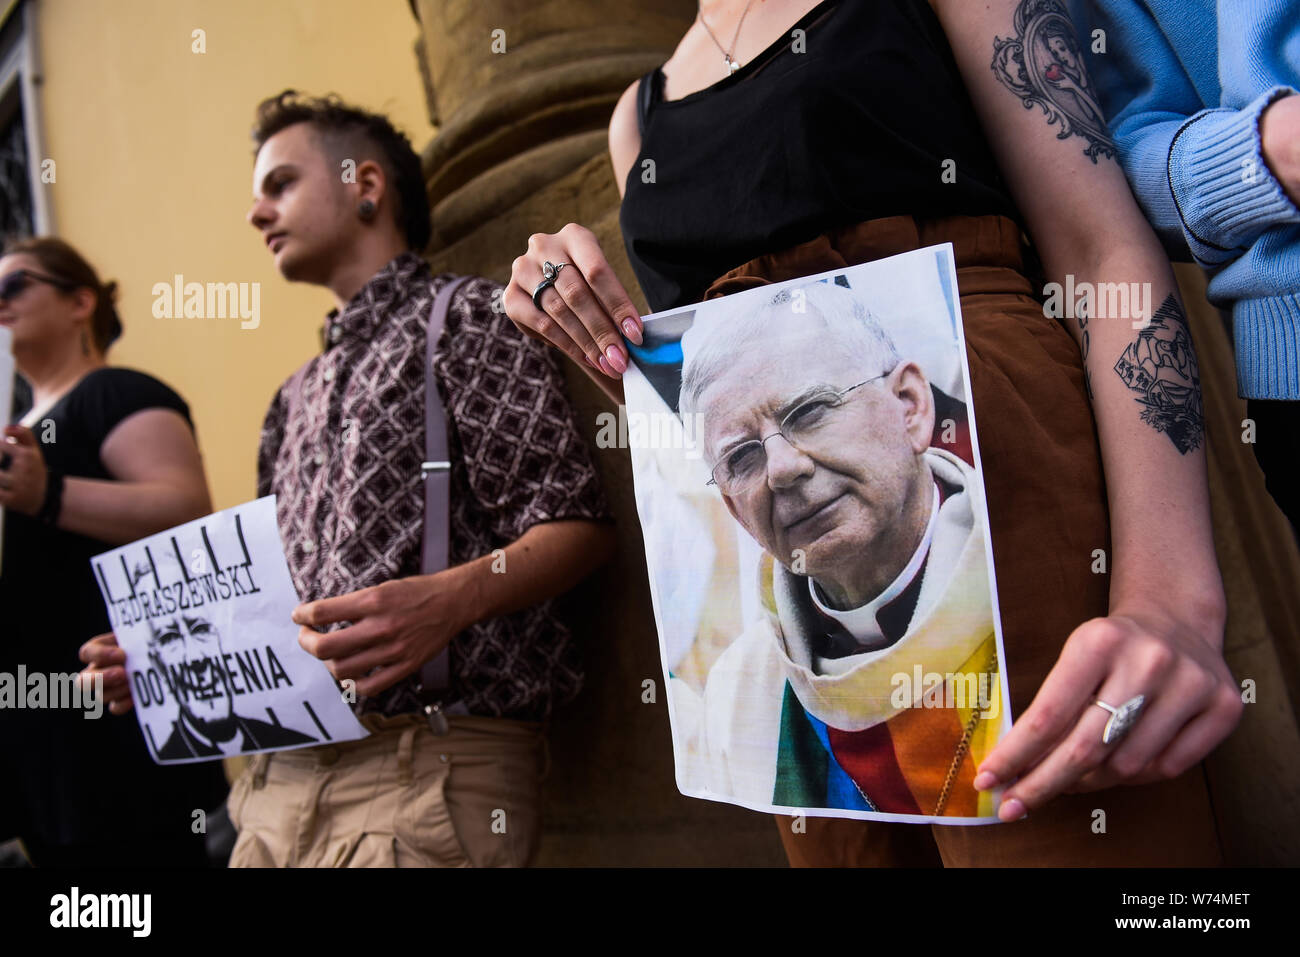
x: 808, y: 480
x: 203, y: 613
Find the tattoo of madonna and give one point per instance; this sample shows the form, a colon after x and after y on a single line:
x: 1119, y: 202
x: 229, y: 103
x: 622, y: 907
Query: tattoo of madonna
x: 1161, y: 368
x: 1042, y: 64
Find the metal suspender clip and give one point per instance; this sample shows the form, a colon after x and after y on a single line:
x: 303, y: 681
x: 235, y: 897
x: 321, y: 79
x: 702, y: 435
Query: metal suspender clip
x: 437, y: 720
x: 427, y: 467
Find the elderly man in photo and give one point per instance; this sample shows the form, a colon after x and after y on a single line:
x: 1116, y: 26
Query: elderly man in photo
x: 185, y: 650
x: 874, y: 571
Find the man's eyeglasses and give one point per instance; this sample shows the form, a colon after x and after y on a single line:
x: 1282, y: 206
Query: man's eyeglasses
x: 804, y: 427
x: 13, y: 284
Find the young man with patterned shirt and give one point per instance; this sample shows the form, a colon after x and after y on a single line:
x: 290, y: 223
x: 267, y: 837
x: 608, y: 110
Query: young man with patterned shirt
x: 341, y: 448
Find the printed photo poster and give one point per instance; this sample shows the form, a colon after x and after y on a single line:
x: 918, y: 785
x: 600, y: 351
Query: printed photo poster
x: 203, y: 613
x: 808, y: 481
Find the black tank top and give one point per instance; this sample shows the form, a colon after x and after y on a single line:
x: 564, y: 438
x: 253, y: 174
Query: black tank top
x: 797, y: 143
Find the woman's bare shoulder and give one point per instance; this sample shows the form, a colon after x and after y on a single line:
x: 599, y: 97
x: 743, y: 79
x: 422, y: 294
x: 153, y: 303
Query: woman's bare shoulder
x: 624, y: 135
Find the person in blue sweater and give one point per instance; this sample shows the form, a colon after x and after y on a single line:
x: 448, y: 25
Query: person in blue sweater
x: 1201, y: 96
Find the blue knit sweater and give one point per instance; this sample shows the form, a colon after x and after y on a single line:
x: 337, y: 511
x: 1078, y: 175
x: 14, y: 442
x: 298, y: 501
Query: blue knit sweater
x: 1183, y: 83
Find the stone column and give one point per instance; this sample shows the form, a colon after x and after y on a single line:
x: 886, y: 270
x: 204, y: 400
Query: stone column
x: 522, y: 93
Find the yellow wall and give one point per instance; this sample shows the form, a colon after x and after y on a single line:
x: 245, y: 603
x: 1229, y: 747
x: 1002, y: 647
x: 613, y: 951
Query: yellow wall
x: 153, y: 169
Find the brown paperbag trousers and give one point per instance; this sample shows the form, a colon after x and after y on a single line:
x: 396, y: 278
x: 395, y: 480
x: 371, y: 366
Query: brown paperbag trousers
x: 403, y: 797
x: 1047, y: 511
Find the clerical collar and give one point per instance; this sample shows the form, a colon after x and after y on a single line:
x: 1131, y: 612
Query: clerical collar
x: 862, y: 622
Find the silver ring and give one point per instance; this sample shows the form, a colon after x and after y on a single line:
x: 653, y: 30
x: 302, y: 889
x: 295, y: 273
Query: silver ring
x: 542, y: 286
x: 1121, y: 719
x: 549, y: 271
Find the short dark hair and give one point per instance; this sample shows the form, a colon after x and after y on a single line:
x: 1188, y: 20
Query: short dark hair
x: 62, y: 262
x: 349, y: 130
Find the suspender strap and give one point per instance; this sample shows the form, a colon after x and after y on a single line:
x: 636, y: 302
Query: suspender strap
x: 435, y: 676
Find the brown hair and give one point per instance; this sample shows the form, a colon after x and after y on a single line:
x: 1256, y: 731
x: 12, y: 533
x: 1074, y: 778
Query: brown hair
x: 350, y: 131
x: 64, y: 263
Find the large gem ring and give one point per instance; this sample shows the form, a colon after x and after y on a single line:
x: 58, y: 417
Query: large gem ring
x: 1121, y: 719
x: 549, y: 271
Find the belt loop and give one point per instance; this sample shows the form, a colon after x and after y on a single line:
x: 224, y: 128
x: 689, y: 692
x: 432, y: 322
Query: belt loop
x: 405, y: 754
x: 258, y: 763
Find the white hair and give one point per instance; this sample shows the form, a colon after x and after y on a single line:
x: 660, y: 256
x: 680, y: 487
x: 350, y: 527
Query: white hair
x: 708, y: 348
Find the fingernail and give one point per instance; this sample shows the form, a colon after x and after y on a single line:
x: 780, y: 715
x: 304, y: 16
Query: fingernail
x: 615, y: 357
x: 631, y: 331
x: 587, y: 359
x: 608, y: 369
x: 985, y: 780
x: 1012, y: 810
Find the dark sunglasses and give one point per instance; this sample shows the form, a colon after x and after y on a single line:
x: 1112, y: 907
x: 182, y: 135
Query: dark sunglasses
x: 13, y: 284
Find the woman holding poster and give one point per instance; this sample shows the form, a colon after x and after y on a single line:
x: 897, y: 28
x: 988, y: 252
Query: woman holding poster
x: 104, y: 456
x: 828, y: 134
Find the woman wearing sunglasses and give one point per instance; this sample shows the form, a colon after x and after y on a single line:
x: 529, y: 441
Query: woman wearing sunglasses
x: 102, y: 457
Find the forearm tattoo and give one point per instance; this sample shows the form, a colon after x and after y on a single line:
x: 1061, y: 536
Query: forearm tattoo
x: 1161, y: 368
x: 1042, y: 64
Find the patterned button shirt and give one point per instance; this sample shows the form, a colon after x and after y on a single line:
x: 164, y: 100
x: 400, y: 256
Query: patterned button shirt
x: 341, y: 449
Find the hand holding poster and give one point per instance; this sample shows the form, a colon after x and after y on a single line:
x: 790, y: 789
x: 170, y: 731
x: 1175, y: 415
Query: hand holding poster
x: 808, y: 480
x: 203, y: 613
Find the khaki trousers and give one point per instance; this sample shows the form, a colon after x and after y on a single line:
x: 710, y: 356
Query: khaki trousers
x: 1047, y: 510
x: 402, y: 797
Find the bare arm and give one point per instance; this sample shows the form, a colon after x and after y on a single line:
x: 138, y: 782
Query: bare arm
x: 1085, y: 223
x: 158, y: 480
x: 398, y: 625
x: 546, y: 561
x: 624, y: 137
x: 1165, y: 630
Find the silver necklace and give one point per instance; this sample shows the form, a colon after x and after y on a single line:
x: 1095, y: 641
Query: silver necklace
x: 732, y: 65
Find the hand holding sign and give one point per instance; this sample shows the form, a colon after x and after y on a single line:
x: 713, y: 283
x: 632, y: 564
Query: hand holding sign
x: 22, y: 483
x: 202, y: 613
x: 103, y: 655
x: 395, y: 627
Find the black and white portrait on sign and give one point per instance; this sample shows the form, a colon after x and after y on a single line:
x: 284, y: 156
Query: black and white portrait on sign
x: 203, y: 613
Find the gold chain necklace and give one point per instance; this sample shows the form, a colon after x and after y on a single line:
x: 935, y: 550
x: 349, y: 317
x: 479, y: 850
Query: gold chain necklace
x: 962, y: 747
x: 964, y: 744
x: 732, y: 65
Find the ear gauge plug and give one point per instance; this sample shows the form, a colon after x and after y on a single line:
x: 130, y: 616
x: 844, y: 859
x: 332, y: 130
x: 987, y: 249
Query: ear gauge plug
x: 366, y: 209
